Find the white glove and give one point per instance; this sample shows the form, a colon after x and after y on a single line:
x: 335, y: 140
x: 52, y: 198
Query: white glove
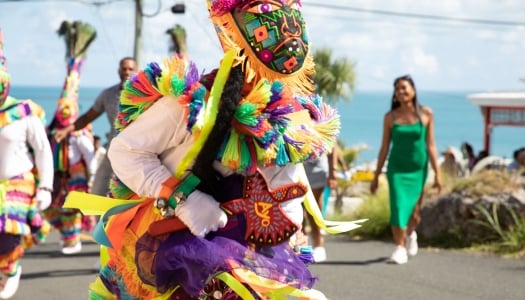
x: 201, y: 213
x: 43, y: 199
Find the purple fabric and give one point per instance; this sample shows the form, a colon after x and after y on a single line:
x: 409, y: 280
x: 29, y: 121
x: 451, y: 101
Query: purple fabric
x: 189, y: 261
x: 8, y: 242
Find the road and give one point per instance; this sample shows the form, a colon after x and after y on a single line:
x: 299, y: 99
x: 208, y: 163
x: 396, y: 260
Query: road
x: 354, y: 270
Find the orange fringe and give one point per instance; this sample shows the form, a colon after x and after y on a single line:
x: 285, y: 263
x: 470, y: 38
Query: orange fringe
x: 9, y: 258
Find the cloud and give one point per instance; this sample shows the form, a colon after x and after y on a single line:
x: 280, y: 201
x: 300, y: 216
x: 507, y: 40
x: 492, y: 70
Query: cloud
x: 418, y: 61
x: 382, y: 45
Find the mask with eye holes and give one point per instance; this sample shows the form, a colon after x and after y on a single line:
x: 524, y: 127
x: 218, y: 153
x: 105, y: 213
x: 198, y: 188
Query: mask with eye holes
x: 269, y: 36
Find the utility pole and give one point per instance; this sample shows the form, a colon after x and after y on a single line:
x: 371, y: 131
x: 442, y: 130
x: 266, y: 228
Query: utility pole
x: 137, y: 50
x: 178, y: 8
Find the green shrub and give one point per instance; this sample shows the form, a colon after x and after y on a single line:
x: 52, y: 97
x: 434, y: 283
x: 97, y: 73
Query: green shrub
x: 506, y: 239
x: 377, y: 210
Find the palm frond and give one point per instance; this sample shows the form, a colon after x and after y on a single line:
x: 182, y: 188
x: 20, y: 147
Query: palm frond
x: 178, y: 37
x: 334, y: 79
x: 78, y: 36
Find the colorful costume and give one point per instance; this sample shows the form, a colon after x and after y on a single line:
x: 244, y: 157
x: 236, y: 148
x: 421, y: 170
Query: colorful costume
x: 26, y: 177
x: 72, y: 157
x: 221, y: 155
x: 407, y: 170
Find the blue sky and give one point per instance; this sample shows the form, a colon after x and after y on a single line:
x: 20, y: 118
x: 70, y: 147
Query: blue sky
x: 385, y: 39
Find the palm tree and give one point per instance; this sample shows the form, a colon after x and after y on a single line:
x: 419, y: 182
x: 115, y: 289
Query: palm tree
x: 334, y: 78
x: 335, y: 81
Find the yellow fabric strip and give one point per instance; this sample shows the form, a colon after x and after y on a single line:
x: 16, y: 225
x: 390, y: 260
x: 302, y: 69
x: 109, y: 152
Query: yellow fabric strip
x: 273, y: 289
x: 99, y: 289
x: 167, y: 294
x: 329, y: 226
x: 3, y: 193
x: 210, y: 113
x: 235, y: 285
x: 95, y: 205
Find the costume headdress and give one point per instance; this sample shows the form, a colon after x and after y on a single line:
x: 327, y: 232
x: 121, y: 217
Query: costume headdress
x: 269, y: 39
x: 78, y: 36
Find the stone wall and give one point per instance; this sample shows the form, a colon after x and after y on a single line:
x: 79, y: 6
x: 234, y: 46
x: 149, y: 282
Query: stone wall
x: 458, y: 216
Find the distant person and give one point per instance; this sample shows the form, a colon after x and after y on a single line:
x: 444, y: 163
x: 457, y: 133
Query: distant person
x: 481, y: 155
x: 100, y: 154
x: 108, y: 102
x: 468, y: 154
x: 409, y: 127
x: 451, y: 165
x: 518, y: 160
x: 26, y: 180
x: 320, y: 173
x: 72, y: 159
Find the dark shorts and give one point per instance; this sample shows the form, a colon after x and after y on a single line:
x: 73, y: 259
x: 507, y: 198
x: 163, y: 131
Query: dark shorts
x: 317, y: 172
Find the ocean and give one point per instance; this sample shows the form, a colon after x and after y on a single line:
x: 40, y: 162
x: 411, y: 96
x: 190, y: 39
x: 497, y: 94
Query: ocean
x: 456, y: 119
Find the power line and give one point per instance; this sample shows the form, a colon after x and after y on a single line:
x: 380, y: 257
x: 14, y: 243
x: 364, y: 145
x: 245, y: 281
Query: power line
x: 417, y: 15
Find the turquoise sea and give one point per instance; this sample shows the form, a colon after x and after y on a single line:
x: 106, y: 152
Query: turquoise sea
x: 456, y: 119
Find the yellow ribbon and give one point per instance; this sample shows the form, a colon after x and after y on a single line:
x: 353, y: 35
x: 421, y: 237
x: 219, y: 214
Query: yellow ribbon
x: 94, y: 205
x: 333, y: 227
x: 210, y: 112
x: 3, y: 193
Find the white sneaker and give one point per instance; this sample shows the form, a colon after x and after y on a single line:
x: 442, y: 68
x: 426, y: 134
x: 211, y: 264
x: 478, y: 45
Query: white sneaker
x: 9, y: 284
x: 399, y: 256
x: 76, y: 248
x: 411, y: 243
x: 319, y: 254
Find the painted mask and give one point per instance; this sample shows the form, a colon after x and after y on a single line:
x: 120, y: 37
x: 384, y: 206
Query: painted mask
x: 275, y: 32
x: 66, y: 112
x: 269, y: 38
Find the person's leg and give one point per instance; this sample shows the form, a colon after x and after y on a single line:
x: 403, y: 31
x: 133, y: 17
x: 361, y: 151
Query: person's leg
x: 71, y: 224
x: 411, y: 235
x: 415, y: 218
x: 11, y: 251
x: 399, y: 256
x: 399, y: 235
x: 315, y: 232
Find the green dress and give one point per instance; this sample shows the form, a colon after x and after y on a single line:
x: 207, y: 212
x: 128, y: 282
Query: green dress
x: 407, y: 170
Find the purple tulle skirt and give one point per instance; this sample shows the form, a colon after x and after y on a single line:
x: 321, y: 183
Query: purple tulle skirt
x: 191, y: 262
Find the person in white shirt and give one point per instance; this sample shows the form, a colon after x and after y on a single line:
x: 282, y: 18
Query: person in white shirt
x: 26, y: 180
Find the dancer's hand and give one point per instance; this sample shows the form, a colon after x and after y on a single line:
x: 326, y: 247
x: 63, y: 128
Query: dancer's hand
x: 201, y: 213
x: 61, y: 134
x: 437, y: 184
x: 373, y: 186
x: 43, y: 199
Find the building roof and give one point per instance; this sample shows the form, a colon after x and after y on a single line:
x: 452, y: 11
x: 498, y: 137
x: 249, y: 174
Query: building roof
x: 502, y: 99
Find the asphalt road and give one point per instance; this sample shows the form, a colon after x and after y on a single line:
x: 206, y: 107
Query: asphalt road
x: 354, y: 270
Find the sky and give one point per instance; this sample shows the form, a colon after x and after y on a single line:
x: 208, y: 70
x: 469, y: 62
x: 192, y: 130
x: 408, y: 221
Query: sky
x: 456, y: 45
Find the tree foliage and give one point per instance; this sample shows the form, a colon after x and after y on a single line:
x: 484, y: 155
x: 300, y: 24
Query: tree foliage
x: 335, y: 77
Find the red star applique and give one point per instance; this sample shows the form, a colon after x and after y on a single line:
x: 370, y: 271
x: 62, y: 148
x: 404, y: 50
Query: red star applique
x: 266, y: 222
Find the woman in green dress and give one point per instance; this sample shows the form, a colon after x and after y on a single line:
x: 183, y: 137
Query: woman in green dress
x: 409, y: 128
